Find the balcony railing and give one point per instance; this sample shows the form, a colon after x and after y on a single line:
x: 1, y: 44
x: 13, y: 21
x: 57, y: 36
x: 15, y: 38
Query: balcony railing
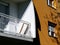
x: 14, y: 28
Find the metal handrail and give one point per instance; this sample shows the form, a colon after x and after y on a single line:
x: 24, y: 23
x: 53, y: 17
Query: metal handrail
x: 9, y: 17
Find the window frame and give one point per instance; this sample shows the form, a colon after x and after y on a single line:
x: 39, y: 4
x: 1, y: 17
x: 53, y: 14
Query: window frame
x: 52, y: 26
x: 48, y: 3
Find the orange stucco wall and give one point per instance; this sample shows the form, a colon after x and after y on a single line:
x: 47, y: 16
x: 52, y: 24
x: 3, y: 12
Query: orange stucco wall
x: 44, y: 12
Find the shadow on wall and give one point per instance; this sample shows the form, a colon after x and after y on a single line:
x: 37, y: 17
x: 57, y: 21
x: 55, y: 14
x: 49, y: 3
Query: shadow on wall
x: 38, y: 26
x: 22, y: 6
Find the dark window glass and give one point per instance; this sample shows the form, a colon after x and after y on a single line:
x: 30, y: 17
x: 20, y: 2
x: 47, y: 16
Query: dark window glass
x: 51, y: 27
x: 4, y: 8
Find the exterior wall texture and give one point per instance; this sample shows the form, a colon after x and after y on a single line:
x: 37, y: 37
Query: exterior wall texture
x: 44, y: 13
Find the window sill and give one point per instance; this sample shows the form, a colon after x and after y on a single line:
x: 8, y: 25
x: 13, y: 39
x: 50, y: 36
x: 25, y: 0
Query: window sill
x: 51, y: 7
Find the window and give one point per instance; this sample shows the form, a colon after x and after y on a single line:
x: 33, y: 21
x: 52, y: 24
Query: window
x: 51, y: 27
x: 52, y: 3
x: 4, y: 7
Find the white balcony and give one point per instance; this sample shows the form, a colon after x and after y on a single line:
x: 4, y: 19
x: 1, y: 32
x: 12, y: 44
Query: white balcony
x: 17, y: 20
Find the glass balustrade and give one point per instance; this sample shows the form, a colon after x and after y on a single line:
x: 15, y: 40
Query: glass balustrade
x: 13, y: 26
